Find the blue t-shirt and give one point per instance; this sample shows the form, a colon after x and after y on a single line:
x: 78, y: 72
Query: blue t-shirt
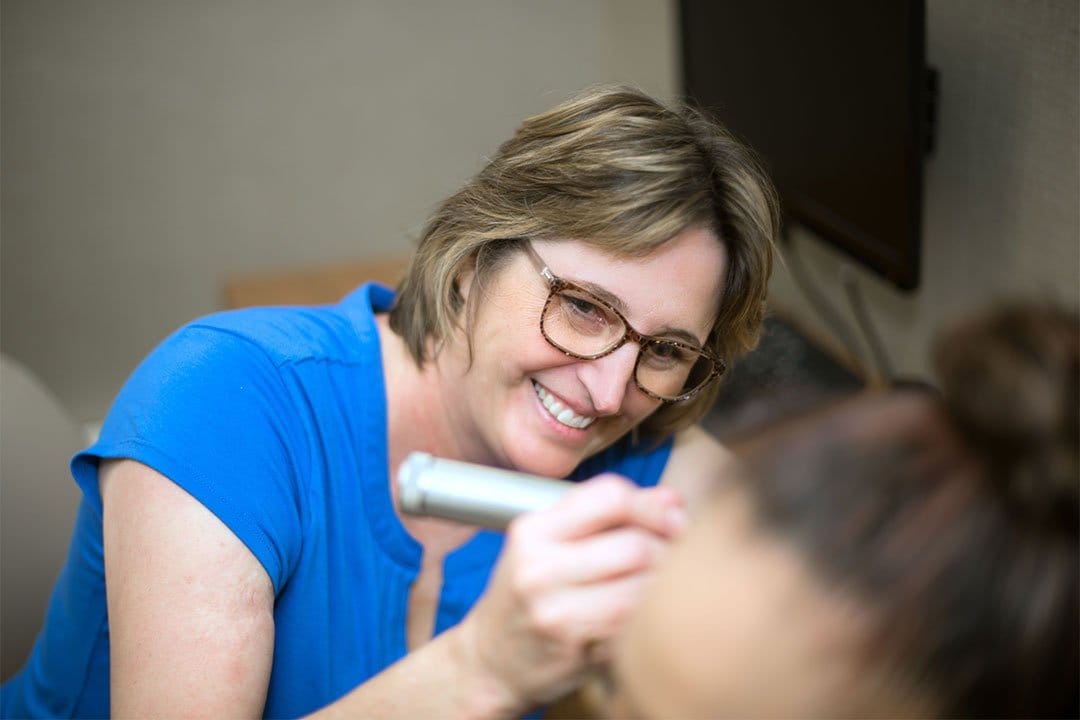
x: 275, y: 420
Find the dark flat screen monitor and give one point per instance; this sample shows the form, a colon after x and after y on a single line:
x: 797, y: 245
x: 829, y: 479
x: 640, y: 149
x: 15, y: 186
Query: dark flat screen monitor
x: 834, y: 96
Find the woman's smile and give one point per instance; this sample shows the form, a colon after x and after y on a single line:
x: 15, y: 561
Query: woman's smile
x: 560, y: 410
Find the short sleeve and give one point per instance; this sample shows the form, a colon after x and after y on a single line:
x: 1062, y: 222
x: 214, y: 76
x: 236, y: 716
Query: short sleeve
x: 212, y: 411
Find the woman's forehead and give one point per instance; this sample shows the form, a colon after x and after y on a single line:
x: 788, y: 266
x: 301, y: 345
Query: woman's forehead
x: 681, y: 280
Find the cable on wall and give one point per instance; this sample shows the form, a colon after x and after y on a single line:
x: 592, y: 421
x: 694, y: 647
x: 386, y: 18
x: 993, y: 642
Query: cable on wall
x: 875, y: 372
x: 878, y: 353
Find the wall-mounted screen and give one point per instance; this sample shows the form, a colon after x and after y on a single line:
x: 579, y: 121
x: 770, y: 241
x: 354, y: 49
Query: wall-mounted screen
x: 834, y: 95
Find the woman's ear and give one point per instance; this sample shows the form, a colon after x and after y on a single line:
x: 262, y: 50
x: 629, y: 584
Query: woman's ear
x: 462, y: 285
x: 463, y: 282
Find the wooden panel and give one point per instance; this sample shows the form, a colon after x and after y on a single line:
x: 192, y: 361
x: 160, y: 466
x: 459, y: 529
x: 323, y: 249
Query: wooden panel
x: 313, y: 285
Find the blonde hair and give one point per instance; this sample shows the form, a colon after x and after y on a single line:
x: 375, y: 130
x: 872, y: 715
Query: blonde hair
x: 614, y: 168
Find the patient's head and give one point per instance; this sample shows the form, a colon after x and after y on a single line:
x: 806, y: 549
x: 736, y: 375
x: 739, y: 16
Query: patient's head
x: 898, y: 554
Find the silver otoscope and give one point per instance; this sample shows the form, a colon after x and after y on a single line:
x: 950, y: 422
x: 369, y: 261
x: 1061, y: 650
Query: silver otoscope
x: 472, y: 494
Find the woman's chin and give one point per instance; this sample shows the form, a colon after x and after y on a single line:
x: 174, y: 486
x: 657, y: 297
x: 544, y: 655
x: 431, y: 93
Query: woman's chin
x: 550, y: 469
x: 555, y: 463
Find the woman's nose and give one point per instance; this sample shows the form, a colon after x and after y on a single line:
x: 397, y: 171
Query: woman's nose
x: 609, y: 378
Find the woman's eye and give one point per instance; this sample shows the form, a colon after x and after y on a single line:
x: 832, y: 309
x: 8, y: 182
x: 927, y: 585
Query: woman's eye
x: 582, y: 306
x: 667, y: 353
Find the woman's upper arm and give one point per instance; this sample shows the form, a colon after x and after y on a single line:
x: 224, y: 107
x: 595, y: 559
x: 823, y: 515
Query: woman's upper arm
x: 698, y: 463
x: 191, y: 625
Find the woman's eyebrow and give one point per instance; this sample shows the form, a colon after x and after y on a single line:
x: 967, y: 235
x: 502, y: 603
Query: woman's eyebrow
x: 685, y: 336
x: 610, y: 298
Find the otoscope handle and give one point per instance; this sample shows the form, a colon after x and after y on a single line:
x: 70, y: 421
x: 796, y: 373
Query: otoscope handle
x: 472, y: 494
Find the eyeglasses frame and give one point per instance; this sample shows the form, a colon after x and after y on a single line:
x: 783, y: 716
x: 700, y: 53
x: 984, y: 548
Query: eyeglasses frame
x: 557, y: 284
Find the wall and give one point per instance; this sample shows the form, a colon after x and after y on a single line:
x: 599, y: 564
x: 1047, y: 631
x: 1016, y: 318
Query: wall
x: 151, y: 149
x: 1001, y: 195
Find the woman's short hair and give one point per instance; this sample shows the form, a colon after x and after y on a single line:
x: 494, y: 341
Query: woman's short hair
x: 615, y: 168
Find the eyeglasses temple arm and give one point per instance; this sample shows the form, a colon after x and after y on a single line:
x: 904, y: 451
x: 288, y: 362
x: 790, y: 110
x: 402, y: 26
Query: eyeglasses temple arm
x: 539, y: 264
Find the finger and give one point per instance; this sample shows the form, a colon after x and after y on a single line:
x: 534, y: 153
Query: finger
x: 606, y: 502
x: 599, y: 557
x: 590, y: 613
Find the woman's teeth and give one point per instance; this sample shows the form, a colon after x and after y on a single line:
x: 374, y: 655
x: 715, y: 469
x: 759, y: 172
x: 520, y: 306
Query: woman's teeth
x: 560, y: 412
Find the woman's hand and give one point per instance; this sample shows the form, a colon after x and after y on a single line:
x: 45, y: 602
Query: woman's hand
x: 565, y: 582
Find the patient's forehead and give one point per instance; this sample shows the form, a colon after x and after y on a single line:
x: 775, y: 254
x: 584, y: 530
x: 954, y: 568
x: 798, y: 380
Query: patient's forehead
x: 735, y: 624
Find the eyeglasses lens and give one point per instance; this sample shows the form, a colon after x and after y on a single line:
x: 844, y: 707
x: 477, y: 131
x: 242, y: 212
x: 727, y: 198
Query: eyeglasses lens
x: 581, y: 325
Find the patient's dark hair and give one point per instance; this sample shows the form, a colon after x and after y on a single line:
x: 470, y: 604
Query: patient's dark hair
x: 951, y: 516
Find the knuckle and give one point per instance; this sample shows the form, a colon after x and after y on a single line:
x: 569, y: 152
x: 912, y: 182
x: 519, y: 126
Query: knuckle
x: 548, y: 619
x: 638, y: 552
x: 528, y: 580
x: 611, y: 489
x: 521, y: 528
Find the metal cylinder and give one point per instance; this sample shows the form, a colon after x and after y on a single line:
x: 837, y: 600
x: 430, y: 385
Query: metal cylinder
x: 471, y: 494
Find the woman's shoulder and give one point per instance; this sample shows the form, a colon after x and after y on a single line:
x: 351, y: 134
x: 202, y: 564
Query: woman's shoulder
x: 285, y: 334
x: 344, y: 331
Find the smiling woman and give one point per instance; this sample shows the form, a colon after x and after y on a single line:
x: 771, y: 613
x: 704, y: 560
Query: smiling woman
x: 511, y: 360
x: 569, y: 312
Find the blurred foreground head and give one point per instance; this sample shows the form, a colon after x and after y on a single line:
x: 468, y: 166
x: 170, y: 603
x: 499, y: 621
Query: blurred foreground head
x: 900, y: 554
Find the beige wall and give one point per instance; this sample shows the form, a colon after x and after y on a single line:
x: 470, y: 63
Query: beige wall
x: 151, y: 148
x: 1001, y: 195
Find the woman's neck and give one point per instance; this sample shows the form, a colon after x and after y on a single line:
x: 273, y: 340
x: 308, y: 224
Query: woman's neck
x: 417, y: 421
